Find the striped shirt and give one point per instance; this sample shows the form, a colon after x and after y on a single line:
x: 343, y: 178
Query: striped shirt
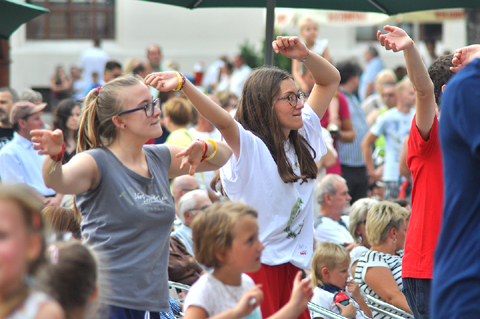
x: 350, y: 154
x: 378, y: 259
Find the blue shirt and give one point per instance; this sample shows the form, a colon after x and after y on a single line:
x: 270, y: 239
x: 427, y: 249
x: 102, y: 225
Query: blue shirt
x: 350, y: 154
x: 374, y: 66
x: 20, y: 163
x: 456, y: 276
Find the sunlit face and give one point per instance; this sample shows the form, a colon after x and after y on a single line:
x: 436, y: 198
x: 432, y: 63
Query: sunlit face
x: 407, y: 96
x: 154, y: 55
x: 137, y: 96
x: 341, y: 200
x: 289, y: 117
x: 244, y: 254
x: 14, y: 247
x: 73, y: 121
x: 389, y: 96
x: 338, y: 276
x: 309, y: 31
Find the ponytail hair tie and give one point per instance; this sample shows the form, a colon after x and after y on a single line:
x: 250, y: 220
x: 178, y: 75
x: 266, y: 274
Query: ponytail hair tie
x: 98, y: 89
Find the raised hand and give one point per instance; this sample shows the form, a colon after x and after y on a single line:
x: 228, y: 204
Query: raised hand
x: 47, y: 142
x: 301, y: 292
x: 464, y: 56
x: 192, y: 155
x: 249, y: 301
x: 291, y: 47
x: 396, y: 40
x: 162, y: 81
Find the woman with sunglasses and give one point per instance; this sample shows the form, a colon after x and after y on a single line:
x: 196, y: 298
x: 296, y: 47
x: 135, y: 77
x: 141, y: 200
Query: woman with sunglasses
x: 123, y: 193
x: 276, y: 138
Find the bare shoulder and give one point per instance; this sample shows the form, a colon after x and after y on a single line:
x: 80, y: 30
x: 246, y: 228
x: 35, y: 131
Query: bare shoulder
x: 50, y: 310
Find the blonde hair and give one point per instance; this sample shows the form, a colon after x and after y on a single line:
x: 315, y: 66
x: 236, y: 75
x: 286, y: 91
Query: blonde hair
x: 381, y: 218
x: 212, y: 230
x: 179, y: 110
x: 382, y: 76
x: 403, y: 84
x: 358, y: 213
x: 328, y: 255
x: 101, y: 105
x: 302, y: 23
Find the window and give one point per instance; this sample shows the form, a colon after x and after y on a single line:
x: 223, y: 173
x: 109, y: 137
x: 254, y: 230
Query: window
x: 73, y: 19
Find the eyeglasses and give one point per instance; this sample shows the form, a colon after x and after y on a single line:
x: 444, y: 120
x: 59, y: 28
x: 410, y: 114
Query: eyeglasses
x: 198, y: 208
x: 149, y: 108
x: 294, y: 98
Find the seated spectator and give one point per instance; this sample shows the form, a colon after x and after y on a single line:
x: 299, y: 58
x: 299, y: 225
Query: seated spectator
x: 61, y: 220
x: 379, y: 271
x: 330, y: 276
x: 182, y: 267
x: 188, y: 207
x: 19, y: 162
x: 358, y: 220
x: 177, y: 114
x: 331, y: 225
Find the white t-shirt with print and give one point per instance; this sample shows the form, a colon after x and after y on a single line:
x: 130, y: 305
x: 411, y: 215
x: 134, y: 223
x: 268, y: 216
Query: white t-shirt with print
x: 285, y: 210
x: 324, y: 299
x: 215, y: 297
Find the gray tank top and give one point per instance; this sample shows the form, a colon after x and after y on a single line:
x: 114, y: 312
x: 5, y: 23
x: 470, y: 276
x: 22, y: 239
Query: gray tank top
x: 127, y: 220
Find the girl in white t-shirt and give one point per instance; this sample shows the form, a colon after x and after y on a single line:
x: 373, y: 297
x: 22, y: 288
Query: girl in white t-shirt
x: 276, y: 139
x: 226, y: 238
x: 21, y: 254
x: 330, y: 276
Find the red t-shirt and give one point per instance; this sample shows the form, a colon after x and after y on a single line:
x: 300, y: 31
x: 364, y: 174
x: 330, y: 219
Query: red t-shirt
x: 424, y: 159
x: 344, y: 113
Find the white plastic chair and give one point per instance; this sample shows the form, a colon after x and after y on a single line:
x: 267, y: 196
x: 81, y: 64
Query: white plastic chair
x: 390, y: 310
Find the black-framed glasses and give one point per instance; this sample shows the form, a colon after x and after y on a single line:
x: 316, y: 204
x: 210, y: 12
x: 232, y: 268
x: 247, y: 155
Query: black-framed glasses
x: 149, y: 108
x: 198, y: 208
x: 294, y: 98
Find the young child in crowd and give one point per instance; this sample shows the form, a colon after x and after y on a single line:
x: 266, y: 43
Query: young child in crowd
x: 226, y: 238
x: 71, y: 278
x: 330, y: 264
x: 21, y: 254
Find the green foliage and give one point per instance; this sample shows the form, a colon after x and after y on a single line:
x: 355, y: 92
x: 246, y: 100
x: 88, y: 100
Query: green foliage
x: 255, y: 58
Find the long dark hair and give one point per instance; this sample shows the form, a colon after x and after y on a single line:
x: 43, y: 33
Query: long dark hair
x: 62, y: 113
x: 256, y: 113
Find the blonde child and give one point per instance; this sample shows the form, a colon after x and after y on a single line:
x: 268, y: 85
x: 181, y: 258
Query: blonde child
x: 308, y: 33
x: 330, y: 265
x: 72, y: 279
x: 21, y: 255
x: 226, y: 238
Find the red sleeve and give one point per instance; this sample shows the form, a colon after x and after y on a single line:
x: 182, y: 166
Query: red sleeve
x: 342, y: 110
x: 417, y: 146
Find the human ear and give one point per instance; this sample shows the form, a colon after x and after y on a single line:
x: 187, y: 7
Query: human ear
x: 444, y: 87
x: 94, y: 295
x: 118, y: 122
x: 34, y: 248
x: 325, y: 272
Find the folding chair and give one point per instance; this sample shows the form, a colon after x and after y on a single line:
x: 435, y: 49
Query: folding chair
x: 324, y: 312
x: 390, y: 310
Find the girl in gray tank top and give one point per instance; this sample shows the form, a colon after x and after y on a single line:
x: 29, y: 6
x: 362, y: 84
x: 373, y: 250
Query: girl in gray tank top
x: 122, y: 191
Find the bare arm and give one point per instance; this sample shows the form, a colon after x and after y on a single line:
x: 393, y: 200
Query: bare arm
x: 298, y: 77
x: 398, y: 40
x: 326, y: 76
x: 367, y: 143
x: 404, y: 171
x: 192, y: 156
x: 221, y: 119
x: 381, y: 281
x: 347, y: 133
x: 79, y: 175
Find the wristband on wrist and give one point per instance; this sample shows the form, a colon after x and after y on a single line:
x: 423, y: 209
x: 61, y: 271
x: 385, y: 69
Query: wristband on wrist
x: 214, y: 149
x: 181, y: 81
x: 205, y: 149
x: 304, y: 59
x: 58, y: 158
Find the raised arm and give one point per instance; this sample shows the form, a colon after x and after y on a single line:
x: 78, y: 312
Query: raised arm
x: 327, y: 77
x: 465, y: 55
x: 398, y: 40
x: 79, y: 175
x: 221, y: 119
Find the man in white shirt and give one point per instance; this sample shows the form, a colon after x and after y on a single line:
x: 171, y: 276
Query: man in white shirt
x: 239, y: 75
x: 331, y: 225
x: 93, y: 60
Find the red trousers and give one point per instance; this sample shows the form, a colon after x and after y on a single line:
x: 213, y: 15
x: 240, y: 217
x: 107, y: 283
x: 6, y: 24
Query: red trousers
x: 277, y: 284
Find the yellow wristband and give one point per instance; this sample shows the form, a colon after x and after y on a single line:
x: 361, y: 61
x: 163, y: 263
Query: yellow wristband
x: 180, y: 82
x: 214, y: 148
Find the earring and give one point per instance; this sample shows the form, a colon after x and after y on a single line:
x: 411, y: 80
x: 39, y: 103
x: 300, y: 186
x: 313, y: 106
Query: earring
x: 394, y: 240
x: 125, y: 126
